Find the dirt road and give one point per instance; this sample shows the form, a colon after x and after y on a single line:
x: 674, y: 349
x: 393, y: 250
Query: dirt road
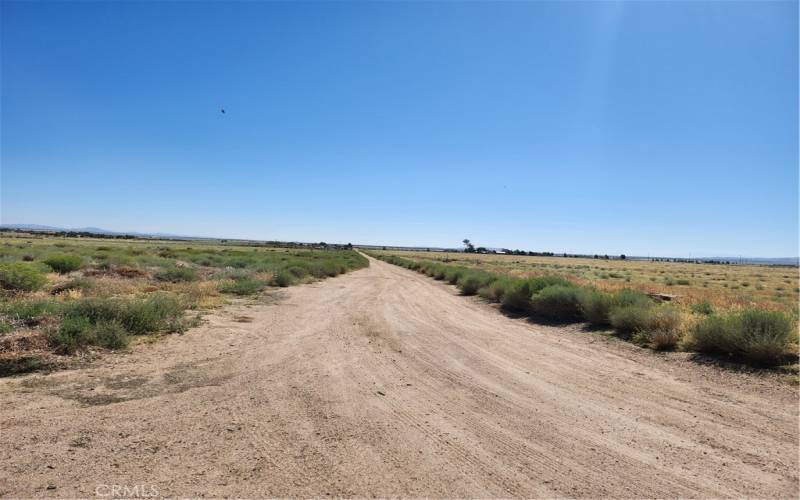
x: 383, y: 382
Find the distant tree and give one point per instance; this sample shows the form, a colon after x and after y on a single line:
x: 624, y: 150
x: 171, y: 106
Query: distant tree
x: 384, y: 248
x: 349, y: 246
x: 481, y: 249
x: 606, y: 256
x: 468, y: 246
x: 596, y: 256
x: 622, y: 257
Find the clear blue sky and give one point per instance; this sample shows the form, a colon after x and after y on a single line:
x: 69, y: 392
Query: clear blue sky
x: 666, y: 128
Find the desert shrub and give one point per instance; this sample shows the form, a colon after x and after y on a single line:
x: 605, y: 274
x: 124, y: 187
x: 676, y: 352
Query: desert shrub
x: 628, y: 297
x: 323, y: 269
x: 437, y: 272
x: 558, y: 302
x: 238, y: 263
x: 5, y: 327
x: 452, y: 274
x: 232, y: 274
x: 629, y: 318
x: 63, y: 263
x: 517, y: 296
x: 242, y: 286
x: 159, y: 311
x: 82, y: 284
x: 282, y: 278
x: 757, y: 336
x: 704, y: 307
x: 74, y: 332
x: 31, y: 311
x: 469, y: 282
x: 176, y: 274
x: 659, y: 340
x: 21, y: 277
x: 495, y: 291
x: 110, y: 334
x: 77, y: 332
x: 663, y: 318
x: 297, y: 271
x: 595, y: 306
x: 541, y: 282
x: 684, y: 282
x: 661, y: 328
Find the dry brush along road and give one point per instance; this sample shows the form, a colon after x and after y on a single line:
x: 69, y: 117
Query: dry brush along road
x: 383, y: 382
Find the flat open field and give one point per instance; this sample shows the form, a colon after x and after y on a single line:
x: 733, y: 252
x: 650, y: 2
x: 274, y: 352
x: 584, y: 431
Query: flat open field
x: 723, y: 286
x: 383, y: 382
x: 62, y: 299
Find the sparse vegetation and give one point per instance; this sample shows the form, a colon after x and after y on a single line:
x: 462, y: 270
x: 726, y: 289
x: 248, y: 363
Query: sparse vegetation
x: 122, y: 289
x: 176, y: 274
x: 752, y: 335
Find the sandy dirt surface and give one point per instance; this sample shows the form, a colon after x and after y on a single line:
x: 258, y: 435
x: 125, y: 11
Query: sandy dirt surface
x: 385, y: 383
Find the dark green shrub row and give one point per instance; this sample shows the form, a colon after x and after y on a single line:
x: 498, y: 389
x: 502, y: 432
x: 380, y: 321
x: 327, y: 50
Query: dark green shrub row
x: 755, y: 336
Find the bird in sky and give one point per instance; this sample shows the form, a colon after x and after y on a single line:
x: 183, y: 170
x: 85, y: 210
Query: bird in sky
x: 222, y: 110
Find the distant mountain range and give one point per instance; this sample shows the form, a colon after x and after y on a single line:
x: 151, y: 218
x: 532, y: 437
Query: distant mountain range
x: 770, y: 261
x: 94, y: 230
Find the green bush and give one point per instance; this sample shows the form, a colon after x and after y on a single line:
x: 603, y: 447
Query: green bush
x: 661, y: 328
x: 32, y: 311
x: 596, y: 306
x: 21, y: 277
x: 704, y: 307
x: 74, y: 332
x: 558, y: 303
x: 759, y: 337
x: 496, y: 290
x: 628, y: 297
x: 297, y: 271
x: 517, y: 296
x: 469, y: 282
x: 242, y: 286
x: 110, y: 334
x: 452, y: 274
x: 176, y: 274
x: 629, y: 318
x: 232, y: 274
x: 283, y: 279
x: 159, y: 311
x: 541, y: 282
x: 78, y: 332
x: 5, y: 327
x: 74, y: 284
x: 63, y: 263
